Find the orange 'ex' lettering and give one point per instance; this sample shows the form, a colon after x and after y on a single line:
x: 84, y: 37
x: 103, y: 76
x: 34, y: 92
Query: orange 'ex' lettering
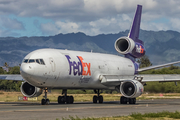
x: 88, y: 65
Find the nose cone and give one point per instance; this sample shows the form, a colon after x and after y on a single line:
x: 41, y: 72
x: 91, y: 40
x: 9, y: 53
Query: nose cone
x: 26, y: 70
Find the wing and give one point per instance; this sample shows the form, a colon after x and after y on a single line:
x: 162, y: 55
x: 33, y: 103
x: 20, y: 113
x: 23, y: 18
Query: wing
x: 11, y: 77
x: 114, y: 80
x: 157, y: 66
x: 160, y: 78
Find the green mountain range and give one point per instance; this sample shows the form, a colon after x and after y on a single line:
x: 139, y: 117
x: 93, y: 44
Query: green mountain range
x: 161, y: 46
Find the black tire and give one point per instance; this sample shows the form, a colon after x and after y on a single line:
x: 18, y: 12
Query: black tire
x: 131, y: 100
x: 95, y: 99
x: 60, y: 100
x: 123, y: 100
x: 134, y: 100
x: 47, y: 102
x: 71, y: 99
x: 68, y: 100
x: 43, y: 102
x: 100, y: 99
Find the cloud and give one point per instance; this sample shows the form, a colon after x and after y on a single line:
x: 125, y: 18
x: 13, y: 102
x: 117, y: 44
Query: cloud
x: 8, y: 33
x: 90, y: 16
x: 11, y: 24
x: 9, y: 27
x: 77, y: 10
x: 106, y: 25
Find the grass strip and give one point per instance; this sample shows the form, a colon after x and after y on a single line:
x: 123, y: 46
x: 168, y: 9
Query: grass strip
x: 135, y: 116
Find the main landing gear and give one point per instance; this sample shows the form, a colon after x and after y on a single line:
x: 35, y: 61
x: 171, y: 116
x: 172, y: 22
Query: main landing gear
x: 98, y: 97
x: 65, y: 99
x: 124, y: 100
x: 45, y: 101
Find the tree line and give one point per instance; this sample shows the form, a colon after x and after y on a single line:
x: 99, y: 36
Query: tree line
x: 10, y: 85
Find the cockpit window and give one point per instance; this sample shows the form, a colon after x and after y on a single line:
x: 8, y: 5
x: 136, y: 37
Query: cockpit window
x: 42, y: 61
x: 31, y: 60
x: 39, y: 61
x: 25, y: 61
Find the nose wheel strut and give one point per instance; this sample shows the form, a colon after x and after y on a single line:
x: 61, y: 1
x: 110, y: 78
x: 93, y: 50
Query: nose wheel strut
x: 45, y: 101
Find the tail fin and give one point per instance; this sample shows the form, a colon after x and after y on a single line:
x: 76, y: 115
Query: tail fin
x: 135, y: 28
x: 131, y: 46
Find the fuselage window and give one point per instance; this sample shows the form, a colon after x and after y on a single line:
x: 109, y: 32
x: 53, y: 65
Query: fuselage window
x: 31, y: 60
x: 25, y: 60
x: 42, y: 62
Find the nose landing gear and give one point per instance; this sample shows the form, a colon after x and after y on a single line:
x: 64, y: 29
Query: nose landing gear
x: 45, y: 101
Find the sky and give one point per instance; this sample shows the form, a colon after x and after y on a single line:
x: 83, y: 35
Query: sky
x: 20, y: 18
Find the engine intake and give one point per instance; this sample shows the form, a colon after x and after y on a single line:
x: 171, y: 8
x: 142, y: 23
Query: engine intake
x: 29, y: 90
x: 131, y: 88
x: 124, y: 45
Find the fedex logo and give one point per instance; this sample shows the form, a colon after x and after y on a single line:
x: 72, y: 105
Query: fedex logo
x: 139, y: 49
x: 141, y: 90
x: 78, y: 68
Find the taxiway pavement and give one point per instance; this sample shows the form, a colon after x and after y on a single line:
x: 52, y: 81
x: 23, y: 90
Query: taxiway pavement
x: 35, y: 111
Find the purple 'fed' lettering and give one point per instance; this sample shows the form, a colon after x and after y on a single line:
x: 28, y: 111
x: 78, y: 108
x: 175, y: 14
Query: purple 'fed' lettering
x: 73, y: 65
x: 78, y: 67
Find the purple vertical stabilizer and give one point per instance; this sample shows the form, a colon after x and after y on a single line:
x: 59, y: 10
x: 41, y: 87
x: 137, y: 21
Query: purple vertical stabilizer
x: 134, y: 32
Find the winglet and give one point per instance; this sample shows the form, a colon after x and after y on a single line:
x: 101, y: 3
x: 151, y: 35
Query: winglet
x: 135, y: 28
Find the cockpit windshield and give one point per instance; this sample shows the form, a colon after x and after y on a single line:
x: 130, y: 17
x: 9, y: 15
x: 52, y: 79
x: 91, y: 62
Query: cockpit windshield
x: 39, y: 61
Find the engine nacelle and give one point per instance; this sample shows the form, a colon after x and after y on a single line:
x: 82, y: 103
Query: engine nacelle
x: 131, y: 88
x: 126, y: 45
x: 29, y: 90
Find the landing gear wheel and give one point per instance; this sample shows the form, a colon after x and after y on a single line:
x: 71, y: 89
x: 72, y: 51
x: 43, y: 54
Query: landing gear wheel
x: 123, y: 100
x: 65, y: 99
x: 100, y: 99
x: 43, y: 102
x: 47, y: 102
x: 71, y: 99
x: 61, y: 100
x: 132, y: 100
x: 94, y: 99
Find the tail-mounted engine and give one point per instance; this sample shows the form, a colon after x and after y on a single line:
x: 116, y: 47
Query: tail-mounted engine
x: 131, y: 88
x: 29, y: 90
x: 126, y: 45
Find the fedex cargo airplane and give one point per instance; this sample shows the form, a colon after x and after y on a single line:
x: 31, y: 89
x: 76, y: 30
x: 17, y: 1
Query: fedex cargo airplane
x: 45, y: 69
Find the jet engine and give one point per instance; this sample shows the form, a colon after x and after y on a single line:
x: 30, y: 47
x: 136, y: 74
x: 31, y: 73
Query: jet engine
x: 131, y: 88
x: 126, y: 45
x: 29, y: 90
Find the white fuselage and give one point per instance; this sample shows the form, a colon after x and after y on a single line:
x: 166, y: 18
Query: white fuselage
x: 72, y: 69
